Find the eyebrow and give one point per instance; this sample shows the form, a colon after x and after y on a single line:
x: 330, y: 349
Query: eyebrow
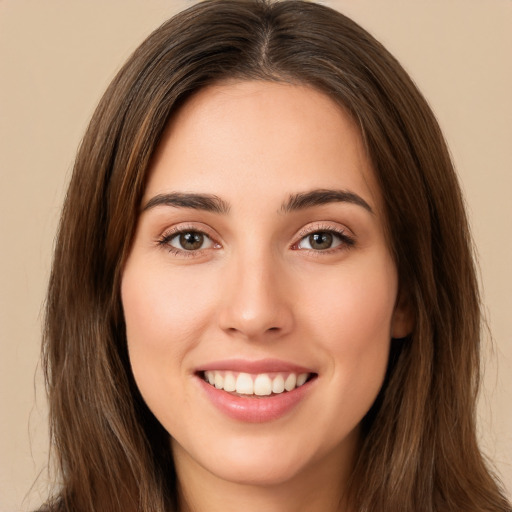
x: 205, y: 202
x: 320, y: 197
x: 214, y: 204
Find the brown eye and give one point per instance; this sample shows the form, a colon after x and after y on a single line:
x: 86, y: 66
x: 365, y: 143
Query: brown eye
x: 323, y: 240
x: 190, y: 241
x: 320, y: 241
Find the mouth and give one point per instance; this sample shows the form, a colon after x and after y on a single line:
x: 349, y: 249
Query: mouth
x: 256, y: 391
x: 259, y: 385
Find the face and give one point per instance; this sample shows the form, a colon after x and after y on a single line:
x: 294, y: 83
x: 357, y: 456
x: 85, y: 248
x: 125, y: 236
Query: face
x: 260, y: 293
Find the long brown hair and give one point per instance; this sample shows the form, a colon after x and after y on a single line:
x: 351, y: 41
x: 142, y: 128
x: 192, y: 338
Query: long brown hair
x: 419, y: 450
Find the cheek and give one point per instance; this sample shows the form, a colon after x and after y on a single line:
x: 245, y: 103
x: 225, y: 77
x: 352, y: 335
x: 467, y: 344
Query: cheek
x: 353, y: 320
x: 355, y: 306
x: 163, y: 310
x: 164, y: 315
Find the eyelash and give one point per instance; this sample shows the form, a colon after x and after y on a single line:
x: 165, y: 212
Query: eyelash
x: 346, y: 241
x: 165, y: 239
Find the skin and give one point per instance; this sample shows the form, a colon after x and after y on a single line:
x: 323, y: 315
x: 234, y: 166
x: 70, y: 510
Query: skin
x: 258, y: 289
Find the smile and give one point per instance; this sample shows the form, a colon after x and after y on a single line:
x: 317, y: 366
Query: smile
x: 255, y: 391
x: 261, y: 384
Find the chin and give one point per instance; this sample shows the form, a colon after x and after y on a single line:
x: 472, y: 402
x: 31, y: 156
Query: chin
x: 271, y: 460
x: 255, y: 471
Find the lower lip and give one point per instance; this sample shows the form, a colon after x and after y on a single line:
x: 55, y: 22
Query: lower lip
x: 255, y: 409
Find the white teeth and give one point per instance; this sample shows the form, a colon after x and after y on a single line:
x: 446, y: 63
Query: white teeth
x: 262, y: 384
x: 278, y: 384
x: 244, y: 384
x: 229, y: 382
x: 219, y: 381
x: 290, y: 382
x: 301, y: 379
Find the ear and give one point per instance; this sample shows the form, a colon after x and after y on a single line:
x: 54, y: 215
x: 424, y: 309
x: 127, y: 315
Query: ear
x: 403, y: 321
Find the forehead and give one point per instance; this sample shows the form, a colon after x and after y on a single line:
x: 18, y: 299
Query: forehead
x: 261, y: 138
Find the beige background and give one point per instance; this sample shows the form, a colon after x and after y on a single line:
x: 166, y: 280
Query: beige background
x: 56, y: 58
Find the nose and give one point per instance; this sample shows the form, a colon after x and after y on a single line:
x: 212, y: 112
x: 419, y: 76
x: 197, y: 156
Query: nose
x: 256, y: 299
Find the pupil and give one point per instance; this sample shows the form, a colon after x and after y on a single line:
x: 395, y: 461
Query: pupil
x: 320, y: 240
x: 191, y: 241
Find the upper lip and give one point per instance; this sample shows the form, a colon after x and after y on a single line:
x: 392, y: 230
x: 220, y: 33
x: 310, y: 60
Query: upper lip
x: 254, y: 367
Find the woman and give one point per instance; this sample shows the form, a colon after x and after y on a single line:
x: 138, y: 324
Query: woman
x: 263, y: 294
